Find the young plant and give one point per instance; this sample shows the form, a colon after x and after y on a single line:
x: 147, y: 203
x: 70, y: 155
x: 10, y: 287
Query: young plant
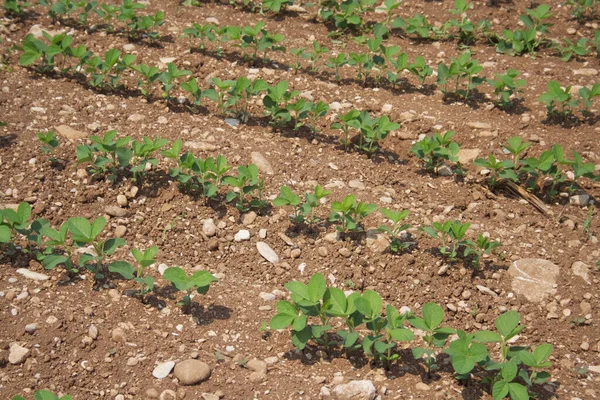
x: 436, y: 150
x: 107, y: 154
x: 169, y: 78
x: 84, y: 234
x: 515, y: 146
x: 336, y: 63
x: 276, y: 103
x: 373, y: 131
x: 346, y: 122
x: 303, y: 211
x: 420, y: 69
x: 144, y: 155
x: 149, y: 74
x: 202, y: 32
x: 350, y: 213
x: 199, y: 282
x: 15, y: 8
x: 466, y: 29
x: 14, y: 223
x: 144, y: 260
x: 246, y: 184
x: 394, y: 232
x: 572, y: 50
x: 316, y: 54
x: 506, y: 85
x: 448, y: 232
x: 57, y: 251
x: 435, y: 334
x: 192, y: 87
x: 588, y: 95
x: 461, y: 68
x: 49, y: 143
x: 107, y: 73
x: 478, y: 248
x: 499, y: 169
x: 44, y: 395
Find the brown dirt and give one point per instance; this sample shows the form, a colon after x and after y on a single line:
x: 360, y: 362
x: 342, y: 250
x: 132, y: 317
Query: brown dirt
x: 232, y: 312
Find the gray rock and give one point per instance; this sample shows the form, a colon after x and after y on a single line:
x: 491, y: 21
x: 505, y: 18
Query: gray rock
x: 586, y: 71
x: 581, y: 269
x: 261, y: 162
x: 31, y: 328
x: 70, y: 133
x: 209, y: 228
x: 136, y: 118
x: 257, y: 365
x: 465, y: 156
x: 202, y: 146
x: 191, y: 372
x: 115, y: 211
x: 534, y: 278
x: 121, y: 200
x: 377, y: 241
x: 486, y: 290
x: 163, y: 370
x: 248, y: 218
x: 356, y: 184
x: 355, y: 390
x: 17, y: 354
x: 242, y: 235
x: 233, y: 122
x: 444, y: 170
x: 479, y: 125
x: 267, y: 252
x: 579, y: 200
x: 36, y: 276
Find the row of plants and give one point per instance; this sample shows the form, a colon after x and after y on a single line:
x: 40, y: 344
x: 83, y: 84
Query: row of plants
x: 284, y: 107
x: 120, y: 18
x: 44, y: 395
x: 546, y: 174
x: 59, y: 246
x: 111, y: 157
x: 330, y: 319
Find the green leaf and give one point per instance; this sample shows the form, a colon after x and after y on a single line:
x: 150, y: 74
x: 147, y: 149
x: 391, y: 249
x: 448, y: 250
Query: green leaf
x: 487, y: 337
x: 509, y: 370
x: 507, y: 322
x: 433, y: 314
x: 81, y: 228
x: 518, y: 391
x: 281, y: 321
x: 52, y: 260
x: 316, y: 287
x: 543, y: 352
x: 301, y: 338
x: 4, y: 234
x: 500, y: 390
x: 44, y: 395
x: 177, y: 277
x: 111, y: 245
x: 122, y: 268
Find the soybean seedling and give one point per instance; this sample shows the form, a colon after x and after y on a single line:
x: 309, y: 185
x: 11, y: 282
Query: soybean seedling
x: 302, y: 210
x: 45, y: 395
x: 435, y: 335
x: 144, y: 260
x: 397, y: 244
x: 350, y: 213
x: 246, y: 183
x: 57, y: 250
x: 49, y: 143
x: 199, y: 281
x: 85, y: 233
x: 482, y: 245
x: 448, y: 231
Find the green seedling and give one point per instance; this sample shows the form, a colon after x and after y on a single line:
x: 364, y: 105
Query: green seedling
x: 58, y: 251
x: 240, y: 94
x: 303, y: 210
x: 202, y: 32
x: 45, y: 395
x: 588, y: 95
x: 85, y: 233
x: 316, y: 54
x: 276, y: 103
x: 461, y: 68
x: 415, y: 25
x: 390, y: 6
x: 247, y: 184
x: 346, y: 122
x: 169, y: 78
x: 506, y: 386
x: 303, y: 110
x: 583, y: 9
x: 557, y: 96
x: 506, y: 85
x: 448, y: 232
x: 15, y: 8
x: 14, y: 223
x: 34, y: 49
x: 480, y: 247
x: 499, y: 169
x: 106, y: 73
x: 435, y: 334
x: 350, y: 213
x: 199, y: 282
x: 572, y: 50
x: 276, y: 6
x: 420, y: 69
x: 336, y: 63
x: 107, y: 154
x: 436, y: 150
x: 373, y: 131
x: 49, y: 143
x: 466, y: 28
x: 145, y: 259
x: 396, y: 217
x: 299, y: 53
x: 149, y: 74
x: 536, y: 360
x: 517, y: 148
x: 465, y: 353
x: 192, y: 87
x: 517, y: 42
x: 144, y: 155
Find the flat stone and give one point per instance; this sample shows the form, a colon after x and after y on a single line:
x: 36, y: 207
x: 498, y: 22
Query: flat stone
x: 70, y: 133
x: 479, y: 125
x: 261, y: 162
x: 191, y: 372
x: 444, y: 170
x: 465, y: 156
x: 115, y: 211
x: 355, y: 390
x: 586, y: 71
x: 581, y: 269
x: 233, y: 122
x: 257, y: 365
x: 209, y: 228
x: 202, y: 146
x: 534, y: 278
x: 579, y: 200
x: 377, y: 241
x: 118, y: 335
x: 17, y: 354
x: 36, y: 276
x: 242, y: 235
x: 136, y: 118
x: 356, y: 184
x: 163, y: 370
x: 267, y: 252
x: 248, y: 218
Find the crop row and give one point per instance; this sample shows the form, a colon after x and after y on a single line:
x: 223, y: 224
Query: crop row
x: 348, y: 16
x: 283, y: 107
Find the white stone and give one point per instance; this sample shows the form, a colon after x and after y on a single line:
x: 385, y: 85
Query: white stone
x: 32, y: 275
x: 242, y: 235
x: 267, y: 252
x: 355, y: 390
x: 163, y: 370
x: 534, y: 278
